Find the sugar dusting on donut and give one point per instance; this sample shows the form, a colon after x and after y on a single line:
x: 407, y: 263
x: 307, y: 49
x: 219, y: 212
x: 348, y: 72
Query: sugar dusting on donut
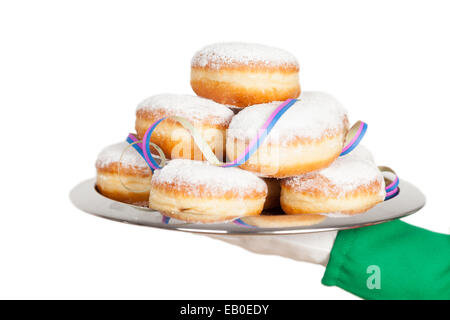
x: 112, y: 153
x: 195, y: 109
x: 344, y: 175
x: 188, y: 175
x: 311, y: 117
x: 361, y: 153
x: 228, y: 53
x: 351, y: 173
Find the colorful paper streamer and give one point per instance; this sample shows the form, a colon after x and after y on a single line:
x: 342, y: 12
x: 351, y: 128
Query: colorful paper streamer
x: 392, y: 189
x: 354, y: 137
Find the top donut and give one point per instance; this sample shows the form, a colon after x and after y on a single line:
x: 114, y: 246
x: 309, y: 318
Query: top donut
x: 244, y: 74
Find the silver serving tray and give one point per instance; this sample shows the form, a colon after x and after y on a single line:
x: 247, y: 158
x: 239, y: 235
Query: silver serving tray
x: 86, y: 198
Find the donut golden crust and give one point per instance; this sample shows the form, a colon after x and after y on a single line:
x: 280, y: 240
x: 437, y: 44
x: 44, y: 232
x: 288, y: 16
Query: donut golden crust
x: 209, y: 118
x: 283, y: 220
x: 357, y: 201
x: 195, y: 191
x: 242, y: 74
x: 176, y: 142
x: 297, y: 157
x: 133, y: 184
x: 348, y: 186
x: 308, y: 137
x: 177, y: 204
x: 243, y: 87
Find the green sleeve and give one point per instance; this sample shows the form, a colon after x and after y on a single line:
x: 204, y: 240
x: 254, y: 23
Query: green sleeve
x: 392, y: 260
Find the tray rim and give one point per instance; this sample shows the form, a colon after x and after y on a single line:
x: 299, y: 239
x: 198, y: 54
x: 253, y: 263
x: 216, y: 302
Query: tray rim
x: 87, y: 187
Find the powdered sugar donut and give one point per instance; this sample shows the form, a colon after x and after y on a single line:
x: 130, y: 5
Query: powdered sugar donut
x: 210, y: 118
x: 352, y: 184
x: 127, y: 179
x: 308, y: 137
x: 196, y: 191
x: 244, y: 74
x: 360, y: 153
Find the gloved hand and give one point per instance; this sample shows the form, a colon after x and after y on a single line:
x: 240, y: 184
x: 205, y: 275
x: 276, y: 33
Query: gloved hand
x: 392, y: 260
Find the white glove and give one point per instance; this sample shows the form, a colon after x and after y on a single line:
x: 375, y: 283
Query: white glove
x: 309, y: 247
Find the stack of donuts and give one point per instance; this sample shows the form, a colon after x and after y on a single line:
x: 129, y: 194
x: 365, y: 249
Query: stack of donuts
x: 295, y: 176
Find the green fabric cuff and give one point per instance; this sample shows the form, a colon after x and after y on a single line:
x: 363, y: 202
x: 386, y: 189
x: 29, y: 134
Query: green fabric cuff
x: 392, y: 260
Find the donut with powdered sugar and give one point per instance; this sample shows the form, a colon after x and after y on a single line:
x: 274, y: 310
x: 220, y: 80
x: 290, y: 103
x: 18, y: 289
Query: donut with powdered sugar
x: 352, y: 184
x: 308, y: 137
x: 211, y: 120
x: 197, y: 191
x: 123, y: 175
x: 244, y: 74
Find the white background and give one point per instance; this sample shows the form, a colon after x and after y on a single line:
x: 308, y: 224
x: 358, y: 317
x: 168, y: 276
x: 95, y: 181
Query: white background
x: 72, y: 73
